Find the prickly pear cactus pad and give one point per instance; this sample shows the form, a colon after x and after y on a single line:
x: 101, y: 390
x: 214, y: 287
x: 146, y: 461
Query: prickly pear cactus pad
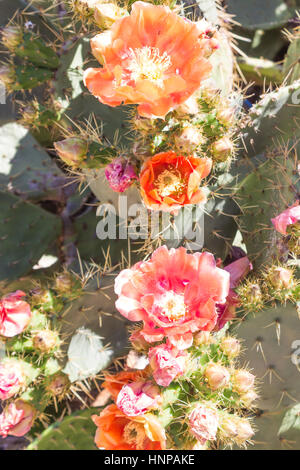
x: 150, y: 222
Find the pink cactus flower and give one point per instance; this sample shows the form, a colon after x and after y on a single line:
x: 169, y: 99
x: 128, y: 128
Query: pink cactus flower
x: 173, y: 293
x: 11, y: 378
x: 17, y: 419
x: 181, y: 342
x: 288, y: 217
x: 15, y: 314
x: 166, y: 364
x: 120, y: 174
x: 203, y: 423
x: 137, y: 398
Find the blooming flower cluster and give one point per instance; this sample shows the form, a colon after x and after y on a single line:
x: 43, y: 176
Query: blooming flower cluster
x: 176, y: 297
x: 154, y: 58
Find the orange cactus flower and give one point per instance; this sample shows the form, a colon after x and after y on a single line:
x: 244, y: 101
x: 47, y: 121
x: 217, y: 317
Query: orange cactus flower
x: 153, y: 58
x: 170, y: 181
x: 116, y: 431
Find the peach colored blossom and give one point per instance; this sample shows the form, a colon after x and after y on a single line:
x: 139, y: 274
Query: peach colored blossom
x: 17, y: 419
x: 288, y: 217
x: 166, y: 364
x: 15, y: 314
x: 116, y: 431
x: 173, y: 293
x: 169, y: 181
x: 137, y: 398
x: 153, y: 58
x: 203, y: 423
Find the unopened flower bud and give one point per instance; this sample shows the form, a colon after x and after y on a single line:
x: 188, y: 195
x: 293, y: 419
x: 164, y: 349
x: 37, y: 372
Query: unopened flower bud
x: 228, y: 427
x: 222, y: 149
x: 107, y: 13
x: 203, y: 337
x: 58, y: 385
x: 64, y: 283
x: 189, y: 139
x: 244, y: 431
x: 230, y: 346
x: 281, y: 277
x: 12, y: 36
x: 45, y: 340
x: 217, y: 376
x: 71, y: 150
x: 248, y: 398
x: 226, y: 115
x: 242, y: 380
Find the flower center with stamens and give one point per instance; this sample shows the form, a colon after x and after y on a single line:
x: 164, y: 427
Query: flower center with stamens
x: 169, y: 182
x: 134, y: 434
x: 172, y: 306
x: 147, y: 64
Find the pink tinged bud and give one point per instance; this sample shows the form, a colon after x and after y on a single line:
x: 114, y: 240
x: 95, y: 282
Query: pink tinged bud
x: 15, y: 314
x: 203, y: 337
x: 243, y: 381
x: 71, y: 150
x: 137, y: 398
x: 58, y: 385
x: 120, y: 174
x: 248, y: 398
x: 222, y: 149
x: 228, y: 428
x: 281, y: 277
x: 17, y: 419
x: 203, y: 424
x: 244, y: 431
x: 288, y: 217
x: 45, y: 340
x: 11, y: 378
x: 230, y: 346
x: 189, y: 139
x: 166, y: 364
x: 238, y: 270
x: 217, y: 376
x: 107, y: 13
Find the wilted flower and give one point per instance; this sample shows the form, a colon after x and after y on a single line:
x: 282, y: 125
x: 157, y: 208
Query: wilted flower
x: 71, y: 150
x: 166, y: 364
x: 217, y: 376
x: 17, y: 419
x: 172, y: 293
x: 153, y: 58
x: 15, y: 314
x: 116, y: 431
x: 137, y: 398
x: 203, y: 423
x: 280, y: 277
x: 58, y: 385
x: 120, y: 174
x: 11, y: 378
x: 114, y: 382
x: 170, y: 181
x: 288, y: 217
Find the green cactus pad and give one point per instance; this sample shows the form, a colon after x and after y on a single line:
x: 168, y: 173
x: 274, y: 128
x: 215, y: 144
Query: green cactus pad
x: 75, y: 432
x: 26, y: 232
x: 26, y: 170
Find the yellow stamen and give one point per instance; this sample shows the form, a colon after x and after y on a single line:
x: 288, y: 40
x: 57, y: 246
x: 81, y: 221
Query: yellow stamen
x: 134, y: 434
x: 147, y: 64
x: 170, y: 182
x: 173, y: 306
